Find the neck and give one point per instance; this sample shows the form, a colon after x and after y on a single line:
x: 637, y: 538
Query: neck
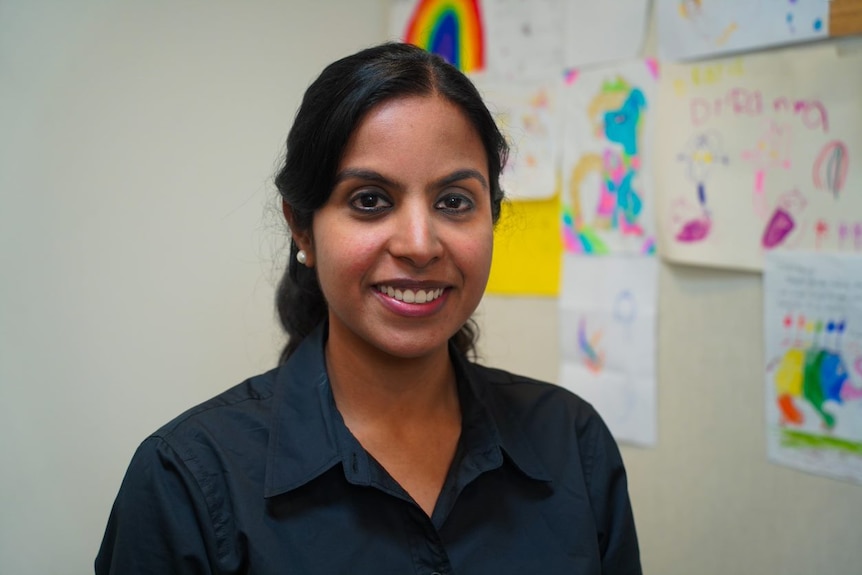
x: 373, y: 388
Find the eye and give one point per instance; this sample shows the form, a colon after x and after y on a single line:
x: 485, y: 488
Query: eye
x: 369, y: 201
x: 454, y: 203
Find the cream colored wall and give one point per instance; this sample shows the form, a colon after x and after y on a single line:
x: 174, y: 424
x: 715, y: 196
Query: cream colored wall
x: 138, y: 140
x: 138, y: 252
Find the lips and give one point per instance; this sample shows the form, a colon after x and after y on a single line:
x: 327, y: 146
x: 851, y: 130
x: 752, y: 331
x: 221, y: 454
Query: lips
x: 418, y: 296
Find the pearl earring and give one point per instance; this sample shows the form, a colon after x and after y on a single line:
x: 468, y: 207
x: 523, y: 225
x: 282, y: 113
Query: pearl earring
x: 301, y: 257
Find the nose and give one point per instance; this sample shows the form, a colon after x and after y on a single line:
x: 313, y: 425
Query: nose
x: 415, y: 235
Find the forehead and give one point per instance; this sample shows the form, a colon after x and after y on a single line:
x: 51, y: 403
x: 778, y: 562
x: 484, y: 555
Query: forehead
x: 432, y: 125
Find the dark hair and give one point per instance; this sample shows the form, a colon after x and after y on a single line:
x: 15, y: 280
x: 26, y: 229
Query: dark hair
x: 332, y: 107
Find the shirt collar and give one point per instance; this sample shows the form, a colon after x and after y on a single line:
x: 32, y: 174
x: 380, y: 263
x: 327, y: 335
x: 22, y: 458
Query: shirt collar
x: 302, y: 444
x: 486, y: 420
x: 309, y: 437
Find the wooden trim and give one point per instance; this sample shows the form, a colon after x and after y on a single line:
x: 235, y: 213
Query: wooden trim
x: 845, y: 17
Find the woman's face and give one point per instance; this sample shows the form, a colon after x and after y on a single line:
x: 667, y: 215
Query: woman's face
x: 403, y: 245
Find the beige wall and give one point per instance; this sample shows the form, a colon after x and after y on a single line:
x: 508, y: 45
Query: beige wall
x: 139, y: 250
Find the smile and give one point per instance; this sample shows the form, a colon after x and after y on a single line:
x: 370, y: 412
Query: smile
x: 409, y: 295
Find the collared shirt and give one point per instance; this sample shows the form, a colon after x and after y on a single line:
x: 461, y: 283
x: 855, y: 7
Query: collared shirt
x: 266, y: 479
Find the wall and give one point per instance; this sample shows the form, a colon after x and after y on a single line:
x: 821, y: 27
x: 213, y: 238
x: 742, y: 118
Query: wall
x: 139, y: 249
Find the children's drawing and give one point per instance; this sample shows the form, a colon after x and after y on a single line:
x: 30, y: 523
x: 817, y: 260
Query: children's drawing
x: 454, y: 29
x: 755, y: 153
x: 593, y: 355
x: 783, y: 221
x: 816, y: 373
x: 714, y: 27
x: 528, y: 115
x: 608, y: 339
x: 697, y: 28
x: 772, y: 151
x: 607, y: 177
x: 830, y: 168
x: 814, y: 362
x: 702, y: 153
x: 522, y: 39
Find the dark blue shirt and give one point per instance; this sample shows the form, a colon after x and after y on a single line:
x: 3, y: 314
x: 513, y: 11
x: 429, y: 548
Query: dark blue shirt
x: 266, y: 479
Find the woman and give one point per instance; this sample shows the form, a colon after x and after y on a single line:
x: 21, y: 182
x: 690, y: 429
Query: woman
x: 376, y: 446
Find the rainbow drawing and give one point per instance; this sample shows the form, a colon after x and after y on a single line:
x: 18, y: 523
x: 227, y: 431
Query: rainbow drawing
x: 450, y: 28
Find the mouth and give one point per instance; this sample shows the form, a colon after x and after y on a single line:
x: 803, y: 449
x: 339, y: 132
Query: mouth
x: 411, y: 295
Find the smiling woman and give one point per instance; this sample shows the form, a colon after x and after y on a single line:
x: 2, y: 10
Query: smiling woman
x: 376, y: 444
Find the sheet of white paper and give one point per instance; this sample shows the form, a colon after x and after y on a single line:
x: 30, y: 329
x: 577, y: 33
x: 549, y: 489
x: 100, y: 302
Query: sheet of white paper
x: 607, y: 159
x: 608, y: 340
x: 813, y: 343
x: 599, y: 32
x: 698, y: 28
x: 528, y: 113
x: 524, y: 38
x: 759, y: 153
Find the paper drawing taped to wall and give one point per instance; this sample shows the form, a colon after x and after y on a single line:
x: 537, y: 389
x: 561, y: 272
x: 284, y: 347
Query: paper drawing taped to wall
x: 607, y: 172
x: 697, y: 28
x: 813, y: 331
x: 759, y: 153
x: 454, y: 29
x: 528, y: 114
x: 608, y: 340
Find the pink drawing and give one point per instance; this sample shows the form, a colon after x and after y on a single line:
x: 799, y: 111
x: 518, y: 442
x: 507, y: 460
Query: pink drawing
x: 652, y: 65
x: 783, y: 220
x: 695, y: 230
x: 821, y: 230
x: 772, y: 151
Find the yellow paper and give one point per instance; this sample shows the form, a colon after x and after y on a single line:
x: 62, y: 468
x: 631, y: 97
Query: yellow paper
x: 527, y: 249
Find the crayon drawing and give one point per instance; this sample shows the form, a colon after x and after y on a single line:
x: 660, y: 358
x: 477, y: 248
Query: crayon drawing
x: 606, y: 160
x: 697, y: 28
x: 813, y: 329
x: 528, y: 114
x: 759, y: 153
x: 454, y: 29
x: 608, y: 340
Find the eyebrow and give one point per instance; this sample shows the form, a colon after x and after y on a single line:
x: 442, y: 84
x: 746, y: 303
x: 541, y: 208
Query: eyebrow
x: 372, y: 176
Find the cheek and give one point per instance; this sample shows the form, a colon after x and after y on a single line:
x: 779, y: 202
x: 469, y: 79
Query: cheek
x: 343, y: 258
x: 477, y: 253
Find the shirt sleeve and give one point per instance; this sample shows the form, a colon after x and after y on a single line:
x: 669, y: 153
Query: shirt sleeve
x: 160, y: 522
x: 606, y: 482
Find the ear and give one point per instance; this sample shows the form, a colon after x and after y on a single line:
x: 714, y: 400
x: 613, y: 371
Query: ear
x: 302, y: 238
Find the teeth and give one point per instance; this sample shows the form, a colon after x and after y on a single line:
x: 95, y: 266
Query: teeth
x: 411, y: 296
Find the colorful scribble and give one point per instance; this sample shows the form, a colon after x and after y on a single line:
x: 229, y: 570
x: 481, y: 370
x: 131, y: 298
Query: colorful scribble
x: 813, y: 370
x: 706, y: 23
x: 451, y: 28
x: 784, y: 219
x: 848, y: 232
x: 617, y: 116
x: 791, y: 20
x: 703, y: 152
x: 830, y: 168
x: 594, y: 357
x: 772, y: 151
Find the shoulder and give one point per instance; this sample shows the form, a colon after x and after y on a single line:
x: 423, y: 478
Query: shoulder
x: 552, y: 419
x: 526, y: 396
x: 230, y: 420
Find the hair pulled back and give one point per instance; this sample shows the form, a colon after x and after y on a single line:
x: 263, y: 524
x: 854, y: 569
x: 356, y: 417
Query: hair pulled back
x: 331, y: 109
